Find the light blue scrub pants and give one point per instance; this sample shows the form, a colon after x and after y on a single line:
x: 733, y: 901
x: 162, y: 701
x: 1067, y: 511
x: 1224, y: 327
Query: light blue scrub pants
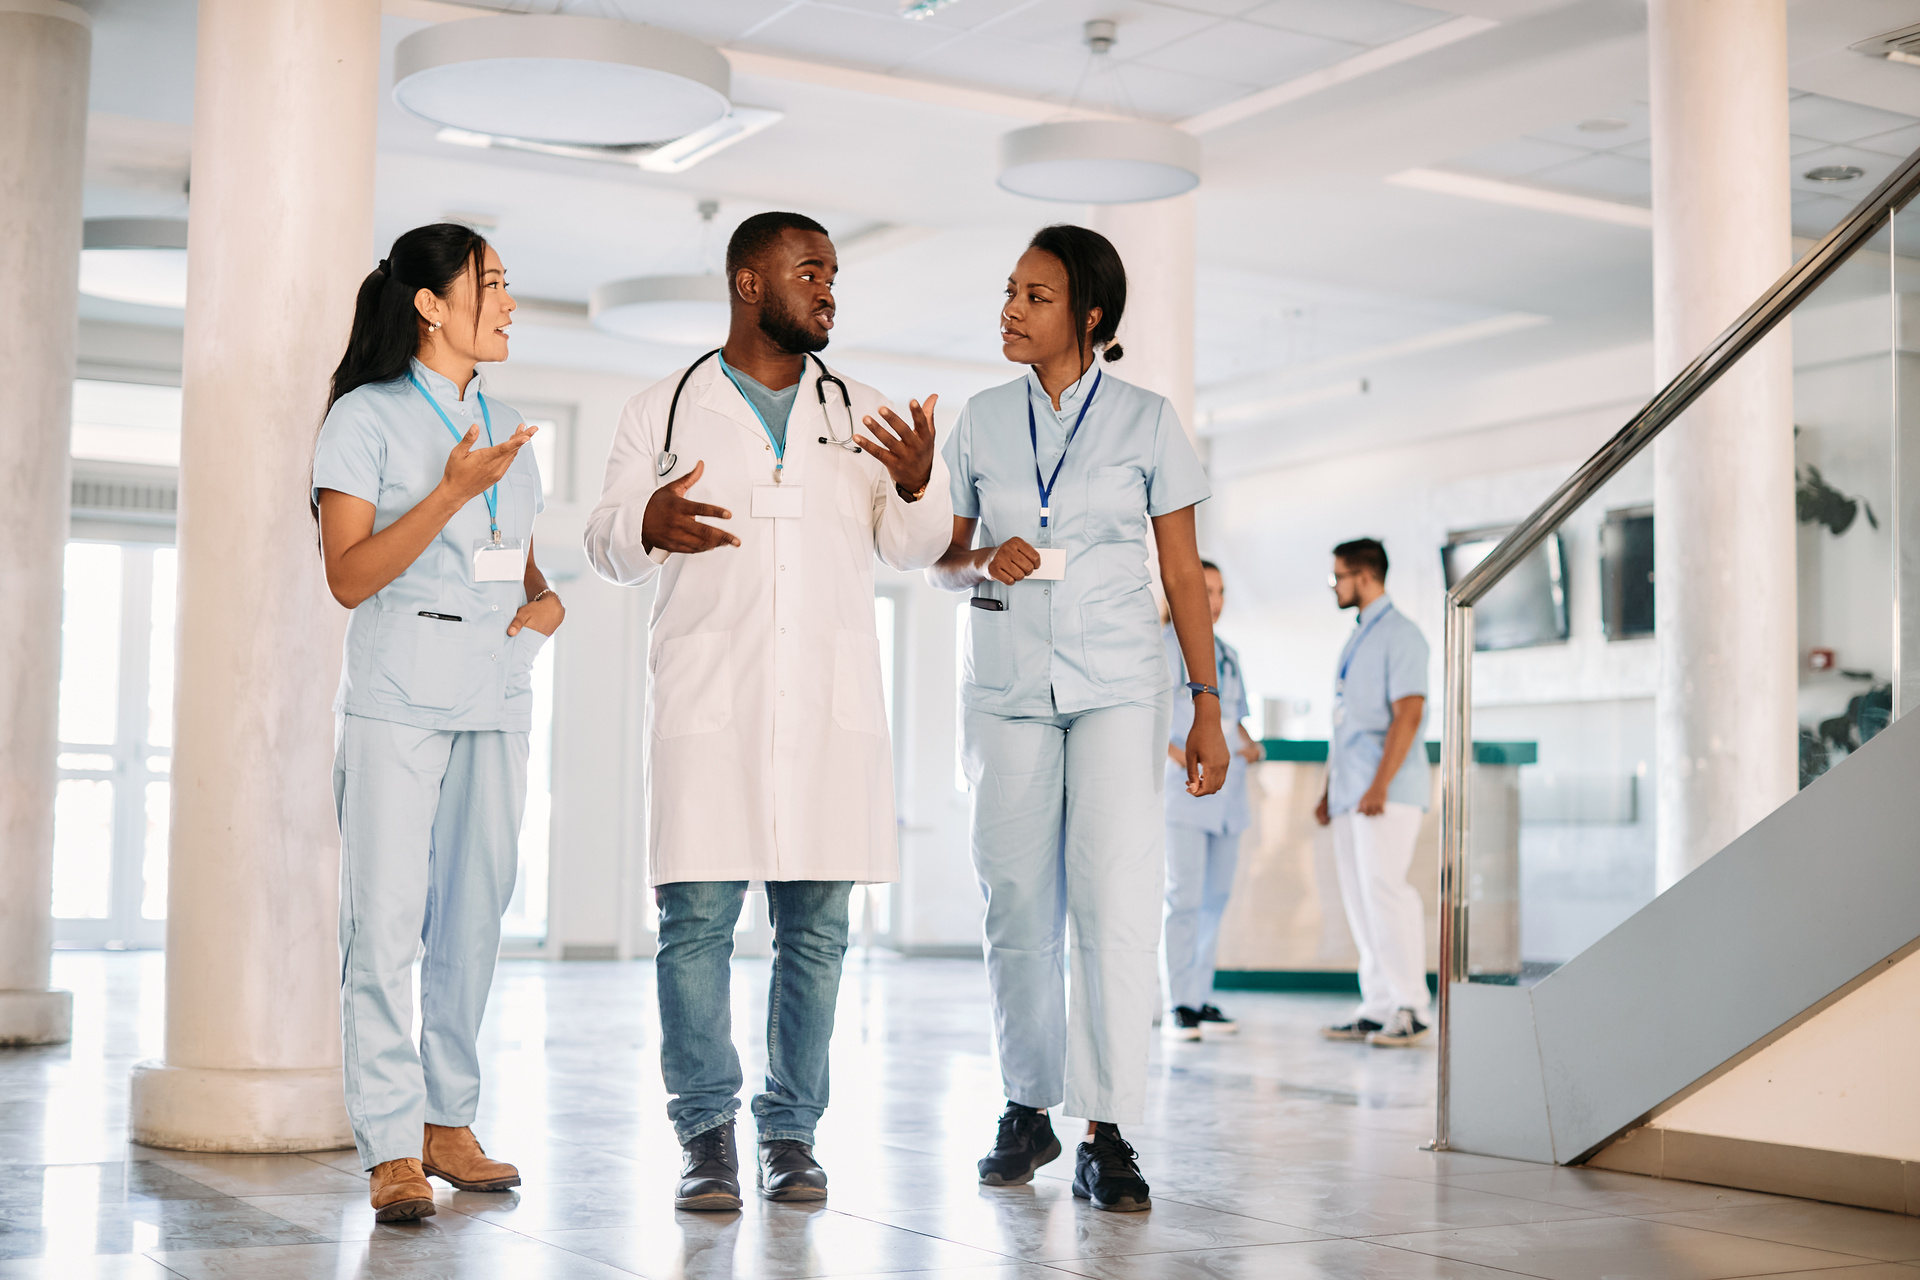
x: 1200, y: 867
x: 1068, y: 825
x: 429, y: 842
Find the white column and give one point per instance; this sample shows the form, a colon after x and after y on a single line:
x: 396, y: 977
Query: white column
x: 1723, y: 489
x: 1156, y: 241
x: 280, y: 236
x: 44, y: 57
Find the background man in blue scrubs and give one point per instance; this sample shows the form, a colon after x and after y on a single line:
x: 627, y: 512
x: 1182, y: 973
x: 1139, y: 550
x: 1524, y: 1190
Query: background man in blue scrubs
x: 1377, y: 789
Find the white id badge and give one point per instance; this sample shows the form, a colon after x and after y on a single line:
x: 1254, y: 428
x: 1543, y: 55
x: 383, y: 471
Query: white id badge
x: 778, y: 501
x: 1053, y: 564
x: 504, y: 563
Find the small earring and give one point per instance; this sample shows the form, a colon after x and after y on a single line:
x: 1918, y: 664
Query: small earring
x: 433, y: 326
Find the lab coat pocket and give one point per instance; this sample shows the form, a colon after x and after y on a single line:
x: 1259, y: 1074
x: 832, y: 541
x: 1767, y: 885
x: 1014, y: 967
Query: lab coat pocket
x: 858, y: 702
x: 1116, y: 504
x: 421, y: 662
x: 989, y: 647
x: 692, y: 684
x: 855, y: 496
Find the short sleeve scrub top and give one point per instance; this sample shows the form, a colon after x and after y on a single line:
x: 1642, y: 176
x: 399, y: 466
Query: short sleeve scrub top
x: 1067, y: 695
x: 430, y: 768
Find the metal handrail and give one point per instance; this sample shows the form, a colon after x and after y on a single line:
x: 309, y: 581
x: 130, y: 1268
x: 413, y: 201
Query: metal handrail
x: 1773, y: 306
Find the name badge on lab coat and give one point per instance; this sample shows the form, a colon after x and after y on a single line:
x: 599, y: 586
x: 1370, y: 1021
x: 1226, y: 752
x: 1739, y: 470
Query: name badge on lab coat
x: 504, y: 563
x: 1053, y: 564
x: 778, y: 501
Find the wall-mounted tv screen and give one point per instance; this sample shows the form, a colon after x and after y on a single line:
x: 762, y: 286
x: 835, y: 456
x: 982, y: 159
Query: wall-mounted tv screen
x: 1626, y: 574
x: 1529, y: 606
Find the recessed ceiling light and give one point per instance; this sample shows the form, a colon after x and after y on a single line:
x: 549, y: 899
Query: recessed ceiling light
x: 1835, y: 173
x: 914, y: 10
x: 1602, y: 124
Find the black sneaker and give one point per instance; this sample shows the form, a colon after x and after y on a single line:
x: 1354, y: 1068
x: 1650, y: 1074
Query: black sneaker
x: 1358, y: 1029
x: 1182, y: 1024
x: 1024, y: 1143
x: 1402, y: 1029
x: 1211, y: 1019
x: 710, y: 1174
x: 787, y: 1171
x: 1105, y: 1171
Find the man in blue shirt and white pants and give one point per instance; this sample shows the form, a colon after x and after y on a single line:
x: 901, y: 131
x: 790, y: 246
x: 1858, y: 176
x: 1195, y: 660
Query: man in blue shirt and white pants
x: 1377, y: 790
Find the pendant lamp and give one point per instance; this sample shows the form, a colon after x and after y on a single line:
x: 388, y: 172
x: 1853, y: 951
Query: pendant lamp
x: 141, y: 260
x: 682, y: 310
x: 1106, y: 161
x: 562, y: 79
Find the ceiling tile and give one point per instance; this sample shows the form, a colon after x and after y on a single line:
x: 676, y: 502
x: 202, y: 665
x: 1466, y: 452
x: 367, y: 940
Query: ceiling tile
x: 1900, y: 142
x: 1142, y: 27
x: 717, y: 20
x: 1639, y: 129
x: 961, y: 15
x: 1367, y: 22
x: 847, y: 36
x: 1874, y: 165
x: 1256, y: 55
x: 1798, y: 146
x: 1047, y: 71
x: 1815, y: 215
x: 1613, y: 176
x: 1832, y: 120
x: 1519, y: 157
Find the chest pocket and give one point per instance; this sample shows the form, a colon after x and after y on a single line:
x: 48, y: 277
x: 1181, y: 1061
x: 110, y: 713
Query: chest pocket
x: 1116, y: 505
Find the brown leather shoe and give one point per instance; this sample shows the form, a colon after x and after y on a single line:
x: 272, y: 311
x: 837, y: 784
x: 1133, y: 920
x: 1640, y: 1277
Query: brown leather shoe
x: 401, y: 1192
x: 455, y: 1155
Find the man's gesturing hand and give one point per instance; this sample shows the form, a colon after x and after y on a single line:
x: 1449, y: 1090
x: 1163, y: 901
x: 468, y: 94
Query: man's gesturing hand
x: 669, y: 523
x: 907, y: 453
x: 1012, y: 560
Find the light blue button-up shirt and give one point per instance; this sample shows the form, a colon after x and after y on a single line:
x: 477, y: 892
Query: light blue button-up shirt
x: 1224, y: 812
x: 384, y: 443
x: 1091, y: 639
x: 1385, y: 660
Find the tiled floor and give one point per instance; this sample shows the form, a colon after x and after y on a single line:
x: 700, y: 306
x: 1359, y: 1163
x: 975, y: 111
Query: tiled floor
x: 1272, y: 1154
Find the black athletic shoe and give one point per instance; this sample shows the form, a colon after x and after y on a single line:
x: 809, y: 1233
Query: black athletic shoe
x: 1106, y: 1171
x: 710, y: 1176
x: 788, y: 1171
x: 1024, y: 1143
x: 1182, y: 1024
x: 1358, y: 1029
x: 1211, y: 1019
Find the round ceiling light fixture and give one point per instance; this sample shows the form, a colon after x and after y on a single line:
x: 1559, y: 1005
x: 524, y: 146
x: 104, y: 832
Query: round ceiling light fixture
x: 1835, y: 173
x: 1099, y: 161
x: 141, y: 260
x: 561, y: 79
x: 678, y: 311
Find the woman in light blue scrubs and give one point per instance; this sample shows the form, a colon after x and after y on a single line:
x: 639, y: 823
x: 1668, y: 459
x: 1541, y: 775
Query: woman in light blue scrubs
x: 1056, y: 477
x: 426, y: 499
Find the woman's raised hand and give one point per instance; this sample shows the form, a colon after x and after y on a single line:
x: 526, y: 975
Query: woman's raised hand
x: 471, y: 472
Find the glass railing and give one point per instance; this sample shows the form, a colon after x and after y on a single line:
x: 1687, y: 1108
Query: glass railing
x: 1554, y: 630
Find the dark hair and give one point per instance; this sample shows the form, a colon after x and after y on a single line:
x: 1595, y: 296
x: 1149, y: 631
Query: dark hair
x: 1364, y: 555
x: 1095, y: 278
x: 386, y: 324
x: 752, y: 238
x: 1208, y: 564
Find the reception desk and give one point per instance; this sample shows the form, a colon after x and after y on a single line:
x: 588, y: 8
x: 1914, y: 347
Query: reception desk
x: 1285, y: 927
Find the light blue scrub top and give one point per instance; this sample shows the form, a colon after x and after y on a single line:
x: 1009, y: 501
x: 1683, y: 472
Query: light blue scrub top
x: 385, y: 444
x: 1224, y: 812
x: 1091, y: 639
x: 1385, y: 660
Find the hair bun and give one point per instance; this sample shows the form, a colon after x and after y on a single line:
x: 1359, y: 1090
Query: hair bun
x: 383, y: 268
x: 1114, y: 351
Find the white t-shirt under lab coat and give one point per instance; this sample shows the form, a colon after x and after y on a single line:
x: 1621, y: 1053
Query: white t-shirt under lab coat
x: 769, y: 754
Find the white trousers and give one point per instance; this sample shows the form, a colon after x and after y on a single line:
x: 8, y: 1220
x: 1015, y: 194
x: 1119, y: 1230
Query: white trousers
x: 1383, y: 910
x: 1068, y: 827
x: 1200, y: 867
x: 429, y: 845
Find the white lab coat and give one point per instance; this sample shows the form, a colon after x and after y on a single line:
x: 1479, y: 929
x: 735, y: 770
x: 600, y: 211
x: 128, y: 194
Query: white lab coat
x: 769, y: 754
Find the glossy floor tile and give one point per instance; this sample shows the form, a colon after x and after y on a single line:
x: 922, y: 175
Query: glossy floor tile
x: 1271, y: 1154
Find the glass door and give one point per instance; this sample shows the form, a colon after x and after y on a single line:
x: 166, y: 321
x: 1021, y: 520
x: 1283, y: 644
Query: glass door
x: 116, y: 735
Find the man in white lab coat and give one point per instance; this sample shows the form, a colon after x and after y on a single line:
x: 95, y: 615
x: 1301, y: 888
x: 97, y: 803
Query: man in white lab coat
x: 759, y: 488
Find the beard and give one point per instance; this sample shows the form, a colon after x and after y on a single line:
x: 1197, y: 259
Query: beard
x: 789, y: 332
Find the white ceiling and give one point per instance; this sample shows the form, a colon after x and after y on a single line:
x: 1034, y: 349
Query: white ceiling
x: 1307, y: 255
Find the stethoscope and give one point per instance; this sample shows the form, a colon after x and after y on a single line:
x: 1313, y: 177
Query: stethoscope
x: 666, y: 460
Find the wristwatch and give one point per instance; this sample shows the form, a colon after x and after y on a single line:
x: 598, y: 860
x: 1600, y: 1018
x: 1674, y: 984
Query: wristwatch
x: 908, y: 496
x: 1196, y: 688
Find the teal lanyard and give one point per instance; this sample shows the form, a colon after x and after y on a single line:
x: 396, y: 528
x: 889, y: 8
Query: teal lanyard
x: 493, y: 493
x: 778, y: 445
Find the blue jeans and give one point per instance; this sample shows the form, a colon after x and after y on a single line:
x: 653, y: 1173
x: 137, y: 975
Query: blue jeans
x: 697, y: 1056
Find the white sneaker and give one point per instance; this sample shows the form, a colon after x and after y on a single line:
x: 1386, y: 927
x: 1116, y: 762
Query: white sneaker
x: 1402, y: 1030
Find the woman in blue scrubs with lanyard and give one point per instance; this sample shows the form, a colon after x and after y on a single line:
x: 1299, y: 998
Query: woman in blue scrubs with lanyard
x: 426, y: 499
x: 1068, y: 698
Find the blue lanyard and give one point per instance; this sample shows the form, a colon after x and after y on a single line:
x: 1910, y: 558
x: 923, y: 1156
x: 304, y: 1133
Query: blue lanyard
x: 1045, y: 485
x: 493, y: 492
x: 779, y: 445
x: 1346, y: 659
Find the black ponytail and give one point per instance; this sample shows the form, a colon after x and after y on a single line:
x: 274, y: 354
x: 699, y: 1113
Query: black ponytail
x: 1095, y: 278
x: 386, y: 324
